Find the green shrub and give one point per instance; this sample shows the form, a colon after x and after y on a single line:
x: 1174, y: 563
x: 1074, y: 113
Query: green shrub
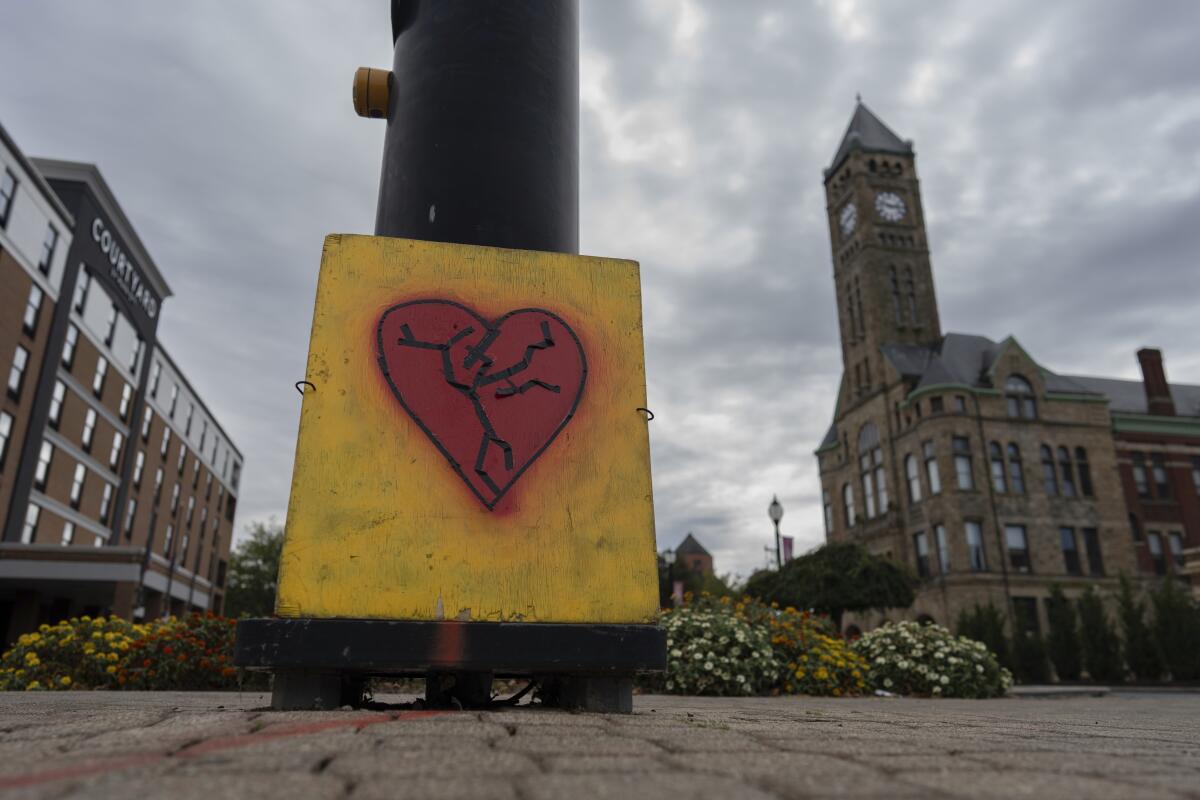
x: 910, y: 658
x: 1029, y: 658
x: 1063, y: 641
x: 1098, y: 639
x: 1141, y: 655
x: 814, y: 658
x: 985, y: 623
x: 1177, y: 630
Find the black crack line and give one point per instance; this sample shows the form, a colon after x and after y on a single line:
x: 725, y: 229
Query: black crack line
x: 525, y: 387
x: 478, y: 352
x: 483, y: 379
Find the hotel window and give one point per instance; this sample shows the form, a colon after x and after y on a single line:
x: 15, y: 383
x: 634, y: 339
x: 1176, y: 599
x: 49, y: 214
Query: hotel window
x: 931, y: 469
x: 155, y: 374
x: 195, y: 472
x: 203, y: 434
x: 29, y: 529
x: 105, y: 502
x: 146, y: 420
x: 98, y: 541
x: 183, y: 549
x: 174, y: 400
x: 56, y: 403
x: 1091, y: 540
x: 208, y: 486
x: 181, y: 459
x: 89, y: 429
x: 81, y: 290
x: 166, y: 442
x: 237, y: 474
x: 191, y: 510
x: 935, y: 405
x: 1175, y: 542
x: 68, y: 534
x: 6, y: 425
x: 1018, y: 547
x: 1085, y: 472
x: 77, y: 485
x: 225, y: 468
x: 68, y: 354
x: 1019, y: 395
x: 101, y: 374
x: 847, y: 504
x: 135, y: 358
x: 138, y: 465
x: 975, y: 553
x: 870, y: 461
x: 1049, y: 477
x: 49, y: 244
x: 203, y: 521
x: 1140, y: 478
x: 111, y: 325
x: 1158, y: 468
x: 8, y: 188
x: 943, y: 548
x: 158, y: 484
x: 42, y: 470
x: 114, y: 455
x: 126, y: 401
x: 999, y: 484
x: 913, y: 474
x: 187, y: 426
x: 168, y: 539
x: 16, y: 375
x: 1154, y: 542
x: 1016, y: 472
x: 175, y: 498
x: 33, y: 307
x: 1070, y: 550
x: 921, y: 546
x: 963, y: 472
x: 1068, y: 474
x: 130, y: 511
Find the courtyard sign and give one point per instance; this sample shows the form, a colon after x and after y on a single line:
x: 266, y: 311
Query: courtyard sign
x: 122, y: 269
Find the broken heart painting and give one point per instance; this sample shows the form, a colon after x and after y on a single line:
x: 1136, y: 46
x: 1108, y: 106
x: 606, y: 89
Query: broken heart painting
x: 492, y: 395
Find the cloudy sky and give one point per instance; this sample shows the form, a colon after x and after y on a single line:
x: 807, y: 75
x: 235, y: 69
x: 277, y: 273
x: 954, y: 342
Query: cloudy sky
x: 1058, y: 146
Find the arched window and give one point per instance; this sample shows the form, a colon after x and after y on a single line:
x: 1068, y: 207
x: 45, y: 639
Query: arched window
x: 1049, y: 479
x: 1085, y: 472
x: 1016, y: 473
x: 828, y: 501
x: 1019, y: 393
x: 896, y: 295
x: 996, y: 455
x: 870, y: 467
x: 1068, y: 475
x: 848, y: 504
x: 913, y: 474
x: 910, y: 288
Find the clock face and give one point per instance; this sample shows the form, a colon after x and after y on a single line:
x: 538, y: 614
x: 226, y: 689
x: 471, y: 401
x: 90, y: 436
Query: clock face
x: 848, y: 218
x: 890, y: 206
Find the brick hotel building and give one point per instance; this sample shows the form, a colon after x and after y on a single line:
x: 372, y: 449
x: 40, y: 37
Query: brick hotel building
x: 118, y: 486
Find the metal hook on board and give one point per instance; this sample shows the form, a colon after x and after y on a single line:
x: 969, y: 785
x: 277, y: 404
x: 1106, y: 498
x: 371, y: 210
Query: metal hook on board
x: 300, y: 384
x: 649, y: 413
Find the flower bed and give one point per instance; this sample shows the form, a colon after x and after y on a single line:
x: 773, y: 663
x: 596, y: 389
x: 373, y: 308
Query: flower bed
x: 112, y: 653
x: 927, y: 660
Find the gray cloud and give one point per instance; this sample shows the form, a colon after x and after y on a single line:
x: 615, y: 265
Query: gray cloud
x: 1058, y: 149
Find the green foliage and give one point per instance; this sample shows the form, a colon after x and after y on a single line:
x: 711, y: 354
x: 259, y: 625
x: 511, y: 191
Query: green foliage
x: 836, y: 578
x: 985, y: 623
x: 927, y: 660
x: 1101, y: 647
x: 1029, y: 658
x: 254, y: 572
x: 1063, y: 640
x: 187, y: 654
x: 1177, y: 630
x: 1141, y: 654
x: 694, y: 582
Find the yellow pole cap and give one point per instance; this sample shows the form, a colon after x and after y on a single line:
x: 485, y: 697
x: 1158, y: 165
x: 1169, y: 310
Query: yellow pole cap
x: 372, y: 88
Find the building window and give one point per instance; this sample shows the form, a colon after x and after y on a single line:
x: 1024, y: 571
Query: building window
x: 158, y: 484
x: 6, y: 426
x: 975, y: 552
x: 208, y: 492
x: 960, y: 403
x: 168, y: 539
x: 999, y: 484
x: 237, y: 475
x: 135, y: 357
x: 49, y: 244
x: 1085, y: 472
x: 130, y: 511
x: 1070, y: 550
x: 943, y: 548
x: 77, y: 485
x: 1019, y: 395
x: 101, y: 374
x: 81, y: 291
x: 870, y: 460
x: 155, y: 374
x: 1049, y: 477
x: 29, y: 529
x: 191, y: 510
x: 146, y: 420
x: 913, y: 475
x: 114, y: 455
x: 1018, y: 547
x: 1158, y: 468
x: 16, y: 375
x: 187, y: 426
x: 111, y: 325
x: 56, y: 403
x: 847, y: 503
x: 862, y: 327
x: 181, y: 459
x: 126, y: 401
x: 1154, y: 543
x: 175, y: 498
x: 910, y: 289
x: 68, y: 534
x: 138, y: 465
x: 68, y: 354
x: 1068, y: 474
x: 1175, y: 542
x: 1140, y: 479
x: 827, y: 502
x: 203, y: 434
x: 195, y: 472
x: 1091, y: 540
x: 8, y: 189
x: 963, y: 472
x: 174, y: 400
x: 89, y: 429
x: 1016, y: 472
x: 33, y: 308
x: 931, y: 469
x: 935, y: 405
x: 42, y: 470
x: 106, y: 502
x: 166, y: 442
x: 895, y: 282
x: 921, y: 546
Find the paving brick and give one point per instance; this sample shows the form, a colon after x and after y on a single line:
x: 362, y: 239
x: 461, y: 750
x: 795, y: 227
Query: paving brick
x: 638, y: 786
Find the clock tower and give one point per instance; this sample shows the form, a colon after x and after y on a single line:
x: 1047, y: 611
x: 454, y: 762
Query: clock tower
x: 881, y: 269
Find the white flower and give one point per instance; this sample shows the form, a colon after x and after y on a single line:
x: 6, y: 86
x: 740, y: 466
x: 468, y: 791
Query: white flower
x: 937, y: 690
x: 979, y: 668
x: 708, y: 666
x: 887, y: 682
x: 676, y: 653
x: 945, y: 679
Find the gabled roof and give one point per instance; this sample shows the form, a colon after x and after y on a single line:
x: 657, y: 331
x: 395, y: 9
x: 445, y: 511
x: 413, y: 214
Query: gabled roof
x: 868, y: 132
x: 690, y: 547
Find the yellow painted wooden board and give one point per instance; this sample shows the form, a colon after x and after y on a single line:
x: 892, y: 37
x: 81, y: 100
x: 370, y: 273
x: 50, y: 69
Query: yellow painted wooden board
x: 473, y: 448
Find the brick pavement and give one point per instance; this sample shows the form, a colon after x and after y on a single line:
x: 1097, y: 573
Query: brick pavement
x: 185, y: 745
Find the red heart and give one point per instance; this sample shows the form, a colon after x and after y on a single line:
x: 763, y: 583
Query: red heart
x: 491, y: 396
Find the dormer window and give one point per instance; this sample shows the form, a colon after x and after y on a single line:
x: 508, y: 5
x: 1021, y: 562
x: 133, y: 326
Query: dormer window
x: 1019, y: 394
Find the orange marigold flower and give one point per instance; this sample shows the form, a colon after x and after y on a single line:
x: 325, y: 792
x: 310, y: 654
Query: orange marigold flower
x: 145, y: 662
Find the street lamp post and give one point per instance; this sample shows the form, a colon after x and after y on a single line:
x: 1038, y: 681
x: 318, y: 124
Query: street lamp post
x: 776, y: 512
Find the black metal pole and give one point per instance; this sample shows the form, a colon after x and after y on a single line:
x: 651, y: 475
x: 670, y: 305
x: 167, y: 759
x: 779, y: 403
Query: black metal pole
x: 778, y: 553
x: 482, y: 143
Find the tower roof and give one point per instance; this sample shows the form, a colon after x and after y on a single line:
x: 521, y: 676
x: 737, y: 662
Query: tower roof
x: 690, y: 547
x: 868, y: 132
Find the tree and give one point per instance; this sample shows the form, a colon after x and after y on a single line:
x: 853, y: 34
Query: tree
x: 836, y: 578
x: 1063, y: 640
x: 1101, y: 647
x: 1177, y: 630
x: 1029, y: 657
x: 1141, y: 656
x: 985, y: 623
x: 254, y: 572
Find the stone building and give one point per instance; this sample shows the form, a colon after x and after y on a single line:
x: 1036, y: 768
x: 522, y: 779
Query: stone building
x: 693, y: 556
x: 988, y: 474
